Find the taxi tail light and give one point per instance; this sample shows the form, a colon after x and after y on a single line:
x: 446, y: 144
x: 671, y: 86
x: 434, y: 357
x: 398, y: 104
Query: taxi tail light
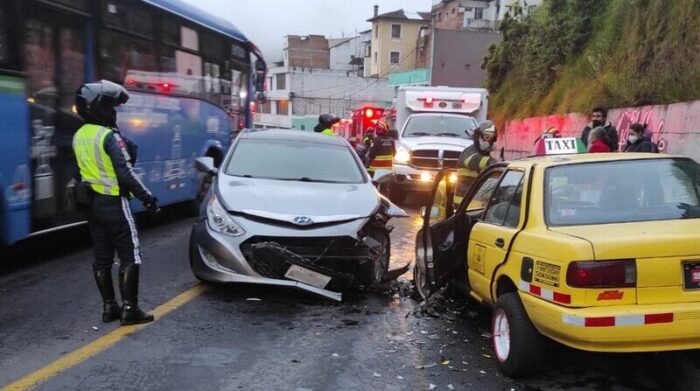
x: 602, y: 274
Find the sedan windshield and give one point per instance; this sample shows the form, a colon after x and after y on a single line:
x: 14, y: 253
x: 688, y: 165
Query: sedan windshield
x: 623, y: 191
x: 294, y: 161
x: 439, y: 125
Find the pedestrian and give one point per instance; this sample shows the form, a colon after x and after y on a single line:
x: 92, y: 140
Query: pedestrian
x: 325, y: 124
x: 597, y: 140
x: 382, y: 151
x: 105, y: 159
x: 475, y: 158
x: 599, y: 117
x: 637, y: 141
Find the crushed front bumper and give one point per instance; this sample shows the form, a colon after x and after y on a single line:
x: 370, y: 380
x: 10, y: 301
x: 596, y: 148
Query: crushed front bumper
x: 252, y: 259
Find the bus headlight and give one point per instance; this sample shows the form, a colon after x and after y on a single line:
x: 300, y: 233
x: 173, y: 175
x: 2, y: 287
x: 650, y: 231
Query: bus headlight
x: 220, y: 221
x: 402, y: 156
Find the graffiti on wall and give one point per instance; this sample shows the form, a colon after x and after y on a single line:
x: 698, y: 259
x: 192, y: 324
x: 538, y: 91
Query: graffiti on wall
x: 675, y: 128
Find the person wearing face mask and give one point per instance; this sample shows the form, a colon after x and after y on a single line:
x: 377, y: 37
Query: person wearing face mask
x: 637, y: 141
x: 475, y: 158
x: 599, y: 118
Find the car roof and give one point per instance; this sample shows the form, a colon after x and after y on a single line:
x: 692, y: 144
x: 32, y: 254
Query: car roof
x: 559, y: 160
x: 292, y: 135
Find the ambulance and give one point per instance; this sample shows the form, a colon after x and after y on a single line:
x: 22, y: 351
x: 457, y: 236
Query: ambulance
x: 435, y: 125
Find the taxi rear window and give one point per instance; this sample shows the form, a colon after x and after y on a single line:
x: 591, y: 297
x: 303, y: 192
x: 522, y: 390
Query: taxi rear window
x: 622, y: 191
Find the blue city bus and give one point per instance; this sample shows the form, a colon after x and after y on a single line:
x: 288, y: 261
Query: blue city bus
x: 192, y: 79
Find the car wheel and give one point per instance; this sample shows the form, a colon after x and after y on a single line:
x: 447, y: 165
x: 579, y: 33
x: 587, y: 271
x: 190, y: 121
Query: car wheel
x: 370, y: 273
x: 396, y: 194
x: 420, y: 278
x: 518, y: 346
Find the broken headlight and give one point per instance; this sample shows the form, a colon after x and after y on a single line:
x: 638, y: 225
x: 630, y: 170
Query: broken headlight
x: 220, y: 221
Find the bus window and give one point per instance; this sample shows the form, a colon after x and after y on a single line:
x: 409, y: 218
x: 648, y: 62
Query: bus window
x: 170, y: 28
x: 40, y: 62
x: 121, y: 53
x: 72, y: 65
x: 127, y: 16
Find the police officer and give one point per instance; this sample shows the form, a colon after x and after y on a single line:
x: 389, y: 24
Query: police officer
x: 105, y: 159
x: 382, y: 151
x: 475, y: 158
x: 325, y: 122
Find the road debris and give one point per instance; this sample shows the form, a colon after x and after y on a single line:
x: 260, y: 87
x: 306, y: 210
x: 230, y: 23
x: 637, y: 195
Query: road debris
x: 450, y: 386
x: 375, y: 374
x: 426, y: 366
x: 432, y: 386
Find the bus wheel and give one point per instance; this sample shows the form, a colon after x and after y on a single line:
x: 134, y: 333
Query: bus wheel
x: 518, y: 346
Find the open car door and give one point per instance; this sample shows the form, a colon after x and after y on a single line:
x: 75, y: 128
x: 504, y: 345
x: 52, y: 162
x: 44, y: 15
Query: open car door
x: 436, y: 262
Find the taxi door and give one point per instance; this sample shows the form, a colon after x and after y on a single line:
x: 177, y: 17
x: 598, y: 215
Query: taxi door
x: 493, y: 232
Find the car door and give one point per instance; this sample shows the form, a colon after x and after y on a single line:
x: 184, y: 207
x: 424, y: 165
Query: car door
x: 441, y: 244
x: 491, y: 235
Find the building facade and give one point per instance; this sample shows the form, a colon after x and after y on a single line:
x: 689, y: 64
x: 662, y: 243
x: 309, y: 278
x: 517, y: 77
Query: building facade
x: 479, y: 15
x: 310, y: 51
x: 393, y: 41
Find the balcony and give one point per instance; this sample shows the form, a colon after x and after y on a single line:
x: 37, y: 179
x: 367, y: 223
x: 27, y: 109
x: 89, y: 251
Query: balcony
x: 480, y: 24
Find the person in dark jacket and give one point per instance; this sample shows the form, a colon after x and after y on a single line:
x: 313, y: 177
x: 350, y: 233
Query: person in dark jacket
x: 325, y: 124
x: 599, y: 117
x: 637, y: 141
x: 105, y: 159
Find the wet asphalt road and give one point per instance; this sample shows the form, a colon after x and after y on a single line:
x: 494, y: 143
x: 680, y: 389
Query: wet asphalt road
x: 260, y: 338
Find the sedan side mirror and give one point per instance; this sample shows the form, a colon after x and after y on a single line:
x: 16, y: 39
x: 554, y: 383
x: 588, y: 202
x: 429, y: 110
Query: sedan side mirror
x: 205, y: 164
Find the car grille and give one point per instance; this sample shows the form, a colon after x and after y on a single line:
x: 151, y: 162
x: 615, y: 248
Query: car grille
x: 335, y: 256
x: 434, y: 159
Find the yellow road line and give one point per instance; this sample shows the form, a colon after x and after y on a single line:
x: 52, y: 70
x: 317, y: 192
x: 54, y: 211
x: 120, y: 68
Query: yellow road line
x: 99, y: 345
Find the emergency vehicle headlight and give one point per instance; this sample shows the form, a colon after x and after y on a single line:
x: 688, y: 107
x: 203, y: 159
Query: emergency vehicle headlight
x: 402, y: 156
x: 220, y: 221
x: 426, y: 177
x: 453, y: 178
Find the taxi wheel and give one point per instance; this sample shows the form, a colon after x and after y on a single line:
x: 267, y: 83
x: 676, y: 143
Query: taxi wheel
x: 518, y: 346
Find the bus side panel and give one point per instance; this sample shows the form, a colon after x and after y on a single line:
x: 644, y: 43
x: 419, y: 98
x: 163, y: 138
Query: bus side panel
x: 171, y: 132
x: 15, y: 179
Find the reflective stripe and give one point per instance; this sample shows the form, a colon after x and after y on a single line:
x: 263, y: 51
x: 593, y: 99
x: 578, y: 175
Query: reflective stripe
x: 104, y: 179
x: 94, y: 162
x: 129, y: 166
x: 381, y: 161
x: 544, y: 293
x: 615, y: 321
x: 132, y: 227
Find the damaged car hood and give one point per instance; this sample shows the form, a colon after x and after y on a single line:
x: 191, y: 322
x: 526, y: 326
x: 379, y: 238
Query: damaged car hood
x: 290, y: 200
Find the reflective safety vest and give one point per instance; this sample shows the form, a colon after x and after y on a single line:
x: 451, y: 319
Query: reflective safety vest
x: 468, y: 171
x: 94, y: 162
x: 384, y: 162
x: 328, y: 132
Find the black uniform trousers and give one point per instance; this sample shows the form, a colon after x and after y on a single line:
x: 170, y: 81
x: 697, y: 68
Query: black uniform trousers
x: 112, y: 228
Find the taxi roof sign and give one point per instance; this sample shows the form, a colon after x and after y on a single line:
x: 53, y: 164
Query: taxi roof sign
x: 559, y: 146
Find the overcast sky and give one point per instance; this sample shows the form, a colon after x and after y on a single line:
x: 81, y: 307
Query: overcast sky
x: 266, y: 22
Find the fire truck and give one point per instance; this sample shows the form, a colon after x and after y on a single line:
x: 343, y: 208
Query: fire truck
x: 362, y: 119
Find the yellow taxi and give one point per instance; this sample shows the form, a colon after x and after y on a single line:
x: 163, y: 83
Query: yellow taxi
x: 600, y: 252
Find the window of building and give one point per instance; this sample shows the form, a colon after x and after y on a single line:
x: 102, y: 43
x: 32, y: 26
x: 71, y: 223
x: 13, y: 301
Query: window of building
x: 376, y: 30
x: 453, y: 10
x: 281, y: 81
x: 282, y: 107
x: 478, y: 13
x: 265, y: 108
x: 376, y: 55
x: 394, y: 57
x: 368, y: 50
x: 395, y: 31
x: 531, y: 9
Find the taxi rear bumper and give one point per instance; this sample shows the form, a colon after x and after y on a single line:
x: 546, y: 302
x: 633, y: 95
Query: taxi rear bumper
x: 624, y: 328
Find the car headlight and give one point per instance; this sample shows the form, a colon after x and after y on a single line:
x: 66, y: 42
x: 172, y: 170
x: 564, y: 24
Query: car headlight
x: 402, y: 156
x: 220, y: 221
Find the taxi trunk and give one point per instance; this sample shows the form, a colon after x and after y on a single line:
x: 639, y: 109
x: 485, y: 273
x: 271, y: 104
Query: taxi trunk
x: 665, y: 255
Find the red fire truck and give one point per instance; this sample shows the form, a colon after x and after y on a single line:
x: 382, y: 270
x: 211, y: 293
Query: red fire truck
x: 364, y: 118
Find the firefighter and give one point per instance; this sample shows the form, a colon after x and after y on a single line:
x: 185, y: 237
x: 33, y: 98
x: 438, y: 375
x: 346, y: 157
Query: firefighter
x: 475, y: 158
x: 105, y: 159
x: 382, y: 151
x: 325, y: 124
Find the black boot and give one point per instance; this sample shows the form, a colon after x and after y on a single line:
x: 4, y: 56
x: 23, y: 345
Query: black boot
x: 110, y: 309
x: 129, y: 287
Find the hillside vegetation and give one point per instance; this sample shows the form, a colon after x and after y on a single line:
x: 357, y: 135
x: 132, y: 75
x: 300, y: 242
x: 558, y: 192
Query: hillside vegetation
x: 572, y: 55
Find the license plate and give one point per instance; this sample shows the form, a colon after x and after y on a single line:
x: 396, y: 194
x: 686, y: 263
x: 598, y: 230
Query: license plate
x: 298, y: 273
x: 691, y: 275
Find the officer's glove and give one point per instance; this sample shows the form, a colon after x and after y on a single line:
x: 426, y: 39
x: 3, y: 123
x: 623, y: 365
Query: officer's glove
x: 152, y: 207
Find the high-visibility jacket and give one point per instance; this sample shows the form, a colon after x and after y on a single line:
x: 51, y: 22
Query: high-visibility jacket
x: 105, y: 163
x: 471, y: 162
x: 381, y: 154
x: 328, y: 132
x: 94, y: 162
